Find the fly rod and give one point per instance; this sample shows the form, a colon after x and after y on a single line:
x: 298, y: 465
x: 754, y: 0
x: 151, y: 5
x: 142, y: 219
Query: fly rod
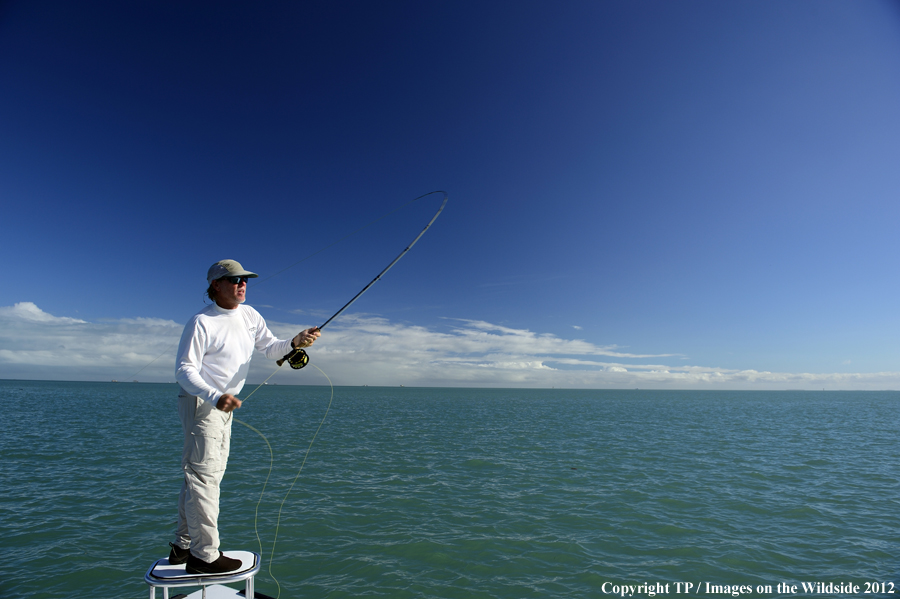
x: 298, y: 358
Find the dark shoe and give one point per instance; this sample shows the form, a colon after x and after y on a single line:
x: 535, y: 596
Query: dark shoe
x: 223, y: 564
x: 178, y: 555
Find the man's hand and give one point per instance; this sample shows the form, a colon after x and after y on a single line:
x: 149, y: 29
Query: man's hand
x: 228, y: 403
x: 305, y: 338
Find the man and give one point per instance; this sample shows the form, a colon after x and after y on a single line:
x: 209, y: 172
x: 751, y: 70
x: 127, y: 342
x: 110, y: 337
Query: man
x: 211, y: 367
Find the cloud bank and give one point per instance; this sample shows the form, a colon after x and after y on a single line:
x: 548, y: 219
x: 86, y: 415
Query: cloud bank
x: 370, y: 350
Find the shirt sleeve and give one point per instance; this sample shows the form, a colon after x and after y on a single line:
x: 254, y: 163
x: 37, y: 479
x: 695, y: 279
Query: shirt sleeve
x: 189, y: 361
x: 267, y: 343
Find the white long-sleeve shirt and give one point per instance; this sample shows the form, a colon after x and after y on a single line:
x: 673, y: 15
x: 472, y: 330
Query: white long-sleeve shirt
x: 216, y: 347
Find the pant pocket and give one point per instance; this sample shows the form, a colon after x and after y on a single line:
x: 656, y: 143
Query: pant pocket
x: 210, y: 443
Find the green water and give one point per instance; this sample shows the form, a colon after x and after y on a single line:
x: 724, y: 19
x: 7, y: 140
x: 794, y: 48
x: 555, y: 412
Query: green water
x: 458, y: 493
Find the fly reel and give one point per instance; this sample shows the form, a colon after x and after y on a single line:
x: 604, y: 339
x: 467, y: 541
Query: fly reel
x: 298, y: 358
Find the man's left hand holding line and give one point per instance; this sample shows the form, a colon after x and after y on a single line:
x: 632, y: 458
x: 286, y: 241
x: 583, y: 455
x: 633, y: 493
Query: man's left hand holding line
x: 228, y: 403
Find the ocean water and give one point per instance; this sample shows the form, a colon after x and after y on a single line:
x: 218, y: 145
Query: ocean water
x: 459, y: 493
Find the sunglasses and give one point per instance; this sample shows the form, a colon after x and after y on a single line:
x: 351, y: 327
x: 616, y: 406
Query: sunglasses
x: 235, y: 280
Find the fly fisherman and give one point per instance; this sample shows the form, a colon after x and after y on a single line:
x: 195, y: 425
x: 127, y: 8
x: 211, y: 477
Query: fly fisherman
x: 211, y: 367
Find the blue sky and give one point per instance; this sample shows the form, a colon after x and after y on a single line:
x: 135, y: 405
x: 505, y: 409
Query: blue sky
x: 642, y: 194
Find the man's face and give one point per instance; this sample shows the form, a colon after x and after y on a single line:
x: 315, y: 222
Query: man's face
x: 230, y: 294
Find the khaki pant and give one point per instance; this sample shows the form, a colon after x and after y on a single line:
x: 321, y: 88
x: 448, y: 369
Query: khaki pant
x: 207, y: 440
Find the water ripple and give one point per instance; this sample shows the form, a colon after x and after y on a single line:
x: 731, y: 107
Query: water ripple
x: 448, y: 493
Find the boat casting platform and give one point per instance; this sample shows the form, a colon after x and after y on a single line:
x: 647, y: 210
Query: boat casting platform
x: 164, y: 575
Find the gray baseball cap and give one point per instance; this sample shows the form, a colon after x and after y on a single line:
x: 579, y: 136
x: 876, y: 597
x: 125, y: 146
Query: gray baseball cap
x: 228, y: 268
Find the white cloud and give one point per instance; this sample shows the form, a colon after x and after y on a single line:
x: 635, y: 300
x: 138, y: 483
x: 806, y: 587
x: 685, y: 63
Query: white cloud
x: 361, y: 349
x: 29, y: 312
x: 38, y: 345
